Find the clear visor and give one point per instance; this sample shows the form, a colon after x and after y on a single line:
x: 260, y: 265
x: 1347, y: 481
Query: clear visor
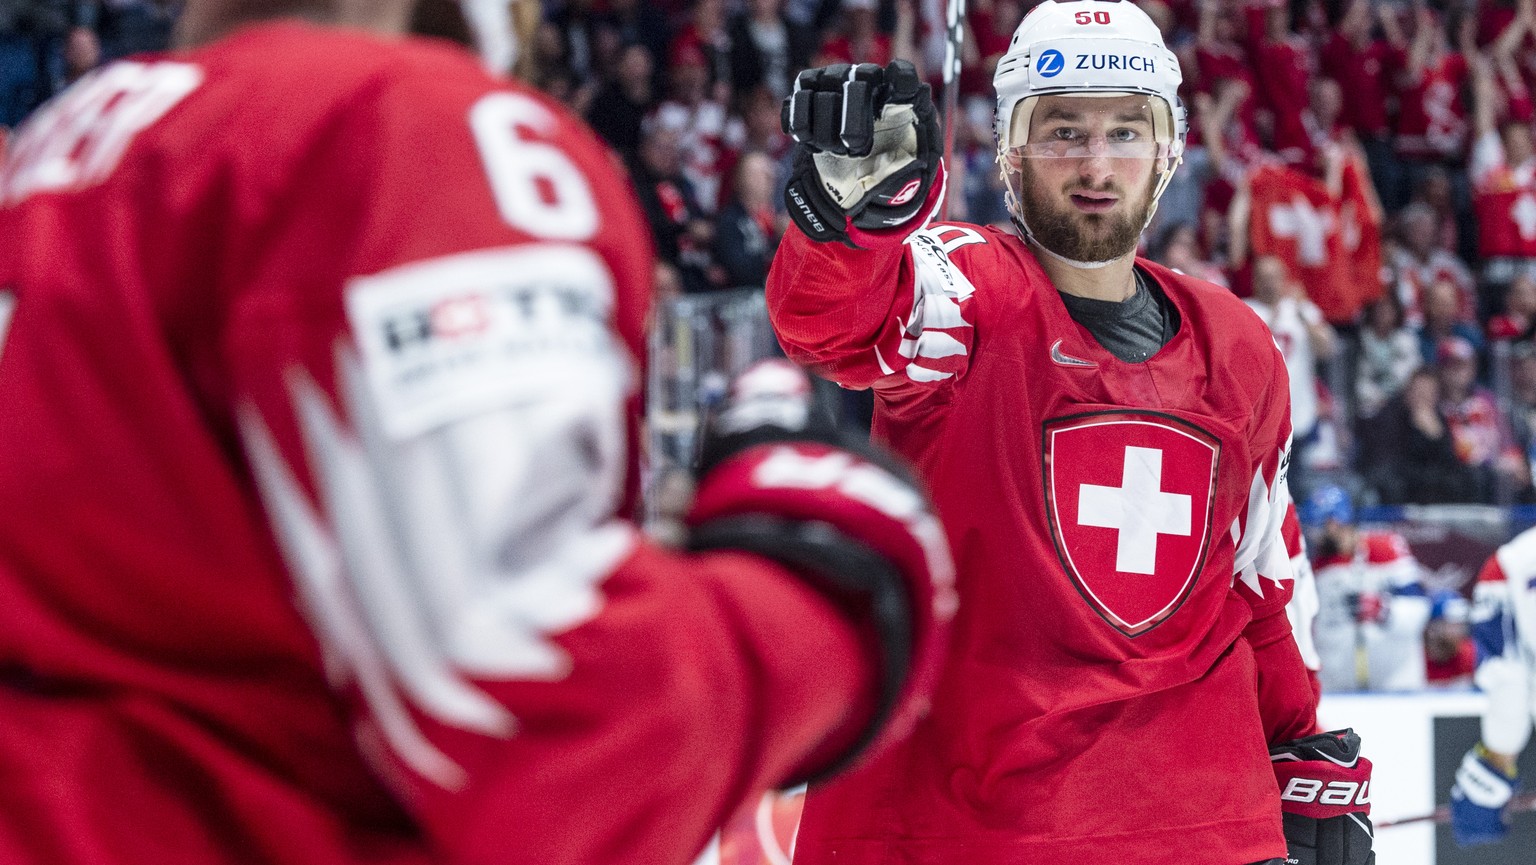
x: 1079, y: 126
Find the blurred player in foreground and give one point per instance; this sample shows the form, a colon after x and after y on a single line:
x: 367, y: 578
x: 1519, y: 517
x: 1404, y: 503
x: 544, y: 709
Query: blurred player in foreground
x: 1106, y: 441
x: 1504, y: 627
x: 318, y: 347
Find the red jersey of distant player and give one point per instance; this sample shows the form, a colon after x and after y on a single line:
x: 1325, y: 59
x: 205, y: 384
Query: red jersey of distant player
x: 192, y: 242
x: 1116, y: 529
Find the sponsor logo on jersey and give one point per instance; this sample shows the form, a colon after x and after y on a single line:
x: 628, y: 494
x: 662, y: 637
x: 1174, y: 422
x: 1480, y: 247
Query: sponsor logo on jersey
x: 1129, y: 497
x: 1130, y: 62
x: 455, y: 336
x: 1050, y: 64
x: 906, y: 193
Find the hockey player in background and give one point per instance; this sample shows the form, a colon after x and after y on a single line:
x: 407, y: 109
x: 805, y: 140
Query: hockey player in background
x: 318, y: 349
x: 1504, y: 627
x: 1373, y: 607
x: 1106, y: 441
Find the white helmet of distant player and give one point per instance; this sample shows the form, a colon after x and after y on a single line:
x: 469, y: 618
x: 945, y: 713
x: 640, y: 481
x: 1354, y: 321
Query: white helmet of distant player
x: 1087, y: 48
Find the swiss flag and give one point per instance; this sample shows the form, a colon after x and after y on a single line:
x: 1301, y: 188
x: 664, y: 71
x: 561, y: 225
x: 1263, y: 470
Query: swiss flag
x: 1330, y: 238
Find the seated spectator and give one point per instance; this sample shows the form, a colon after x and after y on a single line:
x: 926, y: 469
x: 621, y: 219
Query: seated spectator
x: 747, y: 229
x: 1389, y: 353
x: 1372, y: 606
x: 705, y: 34
x: 760, y: 49
x: 1178, y: 247
x: 1522, y: 398
x: 680, y: 227
x: 1407, y: 454
x: 1419, y: 261
x: 621, y: 106
x: 711, y: 137
x: 1479, y: 430
x: 1304, y: 339
x: 31, y: 32
x: 860, y: 40
x: 1519, y: 310
x: 135, y: 26
x: 1433, y: 186
x: 1449, y: 652
x: 1445, y: 315
x: 633, y: 22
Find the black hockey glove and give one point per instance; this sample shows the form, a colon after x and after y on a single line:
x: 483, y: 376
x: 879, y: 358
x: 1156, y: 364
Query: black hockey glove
x: 778, y: 479
x: 1325, y: 799
x: 868, y: 149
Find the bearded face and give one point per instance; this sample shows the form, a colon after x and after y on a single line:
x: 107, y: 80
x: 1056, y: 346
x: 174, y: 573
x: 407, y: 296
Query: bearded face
x: 1084, y: 172
x: 1050, y: 207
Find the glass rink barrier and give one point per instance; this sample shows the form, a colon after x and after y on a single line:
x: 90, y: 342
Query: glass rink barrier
x: 698, y: 343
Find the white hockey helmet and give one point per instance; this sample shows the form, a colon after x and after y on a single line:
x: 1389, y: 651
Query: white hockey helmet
x: 1088, y: 48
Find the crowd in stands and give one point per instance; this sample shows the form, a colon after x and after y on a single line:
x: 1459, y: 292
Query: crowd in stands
x: 1406, y: 306
x: 46, y: 44
x: 1362, y: 171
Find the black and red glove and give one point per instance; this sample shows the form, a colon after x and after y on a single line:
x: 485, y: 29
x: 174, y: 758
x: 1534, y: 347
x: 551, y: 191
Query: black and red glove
x: 778, y: 479
x: 1325, y: 799
x: 868, y: 157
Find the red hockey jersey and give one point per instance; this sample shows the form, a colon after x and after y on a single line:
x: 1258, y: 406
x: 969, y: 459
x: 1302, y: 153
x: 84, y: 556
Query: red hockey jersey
x: 1116, y: 529
x: 361, y: 285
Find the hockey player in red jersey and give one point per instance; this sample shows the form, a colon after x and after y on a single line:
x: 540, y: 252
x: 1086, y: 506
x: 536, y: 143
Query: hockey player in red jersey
x: 1106, y: 442
x: 318, y: 351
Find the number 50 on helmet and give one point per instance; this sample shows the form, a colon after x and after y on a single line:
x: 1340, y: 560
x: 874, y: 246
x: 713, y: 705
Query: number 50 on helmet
x: 1088, y: 48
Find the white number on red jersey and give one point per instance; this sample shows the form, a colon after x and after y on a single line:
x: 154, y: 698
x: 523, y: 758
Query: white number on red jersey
x: 79, y: 139
x: 538, y: 189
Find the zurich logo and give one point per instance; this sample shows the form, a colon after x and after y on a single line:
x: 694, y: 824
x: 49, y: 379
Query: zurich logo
x: 1050, y: 64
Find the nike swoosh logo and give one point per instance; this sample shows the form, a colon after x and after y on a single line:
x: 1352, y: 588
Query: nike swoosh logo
x: 1059, y: 357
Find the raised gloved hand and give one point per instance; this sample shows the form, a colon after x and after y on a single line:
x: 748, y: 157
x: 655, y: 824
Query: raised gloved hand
x: 778, y: 479
x: 868, y: 152
x: 1478, y: 798
x: 1325, y: 799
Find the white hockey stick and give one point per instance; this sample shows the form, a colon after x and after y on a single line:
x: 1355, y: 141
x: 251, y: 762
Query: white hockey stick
x: 954, y: 44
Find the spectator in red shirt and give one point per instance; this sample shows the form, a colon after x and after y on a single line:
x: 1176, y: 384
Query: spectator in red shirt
x: 1419, y: 262
x: 1519, y: 310
x: 1450, y: 656
x: 1363, y: 63
x: 705, y: 33
x: 1283, y: 63
x: 1480, y: 432
x: 1221, y: 58
x: 992, y: 30
x: 1432, y: 122
x: 860, y: 41
x: 1503, y: 166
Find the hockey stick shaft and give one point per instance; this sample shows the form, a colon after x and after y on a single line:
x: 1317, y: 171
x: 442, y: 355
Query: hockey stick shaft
x: 1520, y: 804
x: 954, y: 44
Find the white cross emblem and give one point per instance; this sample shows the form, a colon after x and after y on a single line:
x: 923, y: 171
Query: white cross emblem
x: 1138, y: 509
x: 1524, y: 214
x: 1307, y: 224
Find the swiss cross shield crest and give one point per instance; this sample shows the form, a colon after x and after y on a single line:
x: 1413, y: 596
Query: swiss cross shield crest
x: 1129, y: 496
